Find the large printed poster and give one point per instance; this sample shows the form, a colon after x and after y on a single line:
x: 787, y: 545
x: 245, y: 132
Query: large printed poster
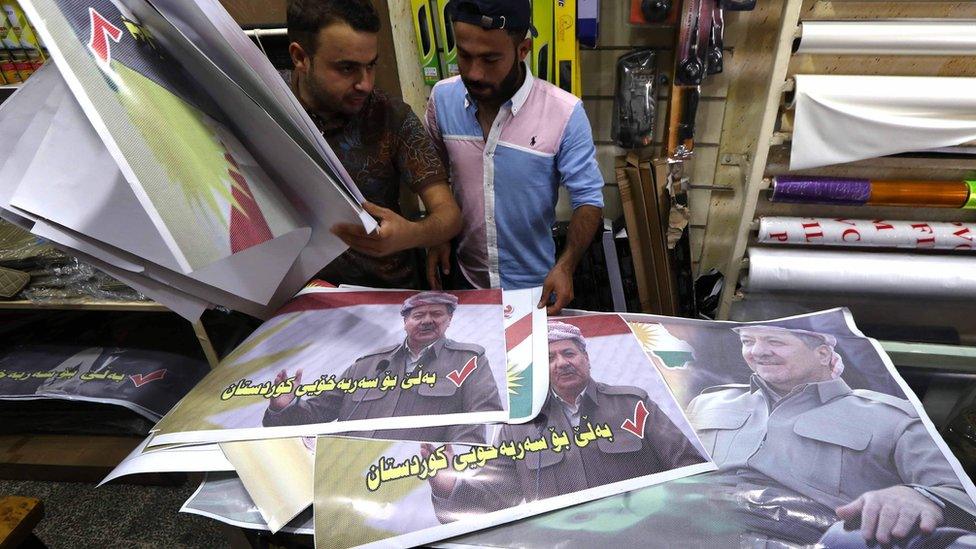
x: 373, y: 362
x: 817, y: 439
x: 184, y: 165
x: 147, y: 382
x: 274, y: 472
x: 610, y: 424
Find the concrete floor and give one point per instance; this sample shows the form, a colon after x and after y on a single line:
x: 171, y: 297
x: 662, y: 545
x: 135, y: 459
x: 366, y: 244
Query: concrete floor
x: 81, y: 515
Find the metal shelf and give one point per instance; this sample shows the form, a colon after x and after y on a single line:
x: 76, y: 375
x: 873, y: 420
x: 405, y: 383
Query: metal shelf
x: 945, y: 358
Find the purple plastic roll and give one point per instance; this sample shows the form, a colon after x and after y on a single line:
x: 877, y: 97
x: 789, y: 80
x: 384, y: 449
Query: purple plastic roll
x: 821, y: 190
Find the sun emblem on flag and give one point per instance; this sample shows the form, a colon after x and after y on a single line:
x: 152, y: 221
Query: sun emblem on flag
x: 645, y: 334
x: 659, y: 344
x: 515, y: 377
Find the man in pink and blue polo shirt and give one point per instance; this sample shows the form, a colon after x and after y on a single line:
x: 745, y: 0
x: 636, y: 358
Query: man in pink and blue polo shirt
x: 511, y: 141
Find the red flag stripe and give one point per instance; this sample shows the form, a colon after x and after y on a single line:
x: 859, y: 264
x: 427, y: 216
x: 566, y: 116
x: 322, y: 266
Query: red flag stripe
x: 598, y: 325
x: 518, y: 332
x: 247, y: 224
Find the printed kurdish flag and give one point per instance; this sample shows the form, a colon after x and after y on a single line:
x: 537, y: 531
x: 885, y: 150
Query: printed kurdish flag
x: 656, y: 340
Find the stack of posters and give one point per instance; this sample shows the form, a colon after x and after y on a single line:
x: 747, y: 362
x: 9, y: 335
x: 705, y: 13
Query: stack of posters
x: 162, y: 147
x: 91, y: 390
x: 795, y: 432
x: 148, y: 383
x: 818, y: 441
x: 431, y: 366
x: 435, y: 406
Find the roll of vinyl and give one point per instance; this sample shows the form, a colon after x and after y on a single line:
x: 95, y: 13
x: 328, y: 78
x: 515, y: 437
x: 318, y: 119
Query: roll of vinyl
x: 921, y: 37
x: 847, y: 118
x: 821, y: 190
x: 862, y: 273
x: 868, y: 233
x: 933, y: 194
x: 873, y: 192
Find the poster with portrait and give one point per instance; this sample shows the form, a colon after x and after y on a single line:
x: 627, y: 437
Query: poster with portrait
x: 817, y: 439
x: 609, y: 425
x: 146, y: 382
x: 335, y: 361
x: 274, y: 472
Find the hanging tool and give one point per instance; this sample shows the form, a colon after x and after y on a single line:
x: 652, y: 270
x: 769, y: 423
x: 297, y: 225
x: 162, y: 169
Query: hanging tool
x: 738, y: 5
x: 691, y: 66
x: 635, y: 102
x: 423, y: 25
x: 588, y: 22
x: 446, y: 47
x: 567, y: 48
x: 655, y: 10
x: 542, y: 45
x: 715, y: 56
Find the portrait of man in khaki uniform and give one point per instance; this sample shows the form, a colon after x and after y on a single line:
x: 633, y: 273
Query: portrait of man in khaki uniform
x: 859, y: 465
x: 464, y: 381
x: 575, y: 399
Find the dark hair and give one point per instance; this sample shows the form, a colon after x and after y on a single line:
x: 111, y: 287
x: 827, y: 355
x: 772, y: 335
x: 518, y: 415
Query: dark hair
x: 307, y: 17
x: 517, y: 35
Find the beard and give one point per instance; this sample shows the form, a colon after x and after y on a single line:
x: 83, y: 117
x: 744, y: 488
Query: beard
x: 496, y: 93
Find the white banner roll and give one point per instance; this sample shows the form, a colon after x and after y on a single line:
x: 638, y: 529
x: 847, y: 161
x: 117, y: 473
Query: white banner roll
x: 935, y: 235
x: 920, y: 37
x: 862, y: 273
x: 846, y: 118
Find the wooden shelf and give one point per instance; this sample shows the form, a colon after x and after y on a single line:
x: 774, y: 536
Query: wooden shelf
x: 95, y: 305
x: 71, y: 458
x: 84, y: 305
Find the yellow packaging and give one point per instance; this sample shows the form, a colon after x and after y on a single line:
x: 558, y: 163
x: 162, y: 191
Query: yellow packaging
x: 566, y: 54
x: 423, y: 26
x: 542, y: 45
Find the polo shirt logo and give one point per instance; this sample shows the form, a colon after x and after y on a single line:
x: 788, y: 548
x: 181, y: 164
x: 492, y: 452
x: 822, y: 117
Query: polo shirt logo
x: 532, y: 143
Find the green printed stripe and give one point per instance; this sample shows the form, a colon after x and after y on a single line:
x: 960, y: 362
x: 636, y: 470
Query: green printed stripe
x: 674, y: 359
x: 971, y: 203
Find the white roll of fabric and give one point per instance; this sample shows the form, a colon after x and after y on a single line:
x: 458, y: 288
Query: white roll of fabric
x: 846, y: 118
x: 810, y: 231
x: 919, y: 37
x: 862, y: 273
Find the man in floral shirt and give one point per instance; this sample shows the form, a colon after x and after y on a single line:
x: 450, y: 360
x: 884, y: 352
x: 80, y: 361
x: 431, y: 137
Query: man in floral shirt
x: 378, y: 139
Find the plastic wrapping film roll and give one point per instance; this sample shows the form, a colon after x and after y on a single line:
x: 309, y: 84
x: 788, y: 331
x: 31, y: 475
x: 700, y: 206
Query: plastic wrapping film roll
x: 821, y: 190
x: 868, y: 233
x: 873, y: 192
x: 841, y: 119
x: 919, y: 37
x: 862, y: 273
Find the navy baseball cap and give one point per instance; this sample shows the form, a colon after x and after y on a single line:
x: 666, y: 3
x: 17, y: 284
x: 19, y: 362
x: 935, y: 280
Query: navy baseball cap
x: 513, y: 15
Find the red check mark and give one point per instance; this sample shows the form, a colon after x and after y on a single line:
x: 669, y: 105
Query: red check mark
x: 103, y: 33
x: 139, y: 380
x: 636, y: 425
x: 459, y: 377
